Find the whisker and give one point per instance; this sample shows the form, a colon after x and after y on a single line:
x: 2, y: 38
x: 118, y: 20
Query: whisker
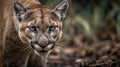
x: 60, y: 44
x: 58, y: 47
x: 21, y: 43
x: 24, y: 51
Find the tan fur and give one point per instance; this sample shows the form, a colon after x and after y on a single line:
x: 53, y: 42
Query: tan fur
x: 16, y: 37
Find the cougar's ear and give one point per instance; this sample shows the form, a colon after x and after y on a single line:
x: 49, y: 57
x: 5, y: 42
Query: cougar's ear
x: 19, y: 10
x: 61, y: 9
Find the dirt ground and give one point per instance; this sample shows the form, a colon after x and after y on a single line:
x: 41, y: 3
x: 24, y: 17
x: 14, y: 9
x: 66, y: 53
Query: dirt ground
x: 84, y: 51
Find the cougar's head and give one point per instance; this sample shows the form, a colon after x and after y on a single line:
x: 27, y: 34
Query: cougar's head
x: 39, y: 25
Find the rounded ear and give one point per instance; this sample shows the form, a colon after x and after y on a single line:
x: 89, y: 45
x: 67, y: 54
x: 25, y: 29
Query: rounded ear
x: 19, y: 10
x: 61, y: 9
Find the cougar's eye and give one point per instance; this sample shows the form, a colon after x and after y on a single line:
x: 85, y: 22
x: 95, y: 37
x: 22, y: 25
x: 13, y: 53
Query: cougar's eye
x: 33, y: 28
x: 52, y: 28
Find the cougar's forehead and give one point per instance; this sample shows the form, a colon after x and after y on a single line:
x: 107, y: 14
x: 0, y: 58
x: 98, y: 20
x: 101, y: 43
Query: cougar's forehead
x: 41, y: 17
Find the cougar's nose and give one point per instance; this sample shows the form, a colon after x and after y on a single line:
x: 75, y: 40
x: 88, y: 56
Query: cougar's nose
x: 43, y: 41
x: 43, y: 45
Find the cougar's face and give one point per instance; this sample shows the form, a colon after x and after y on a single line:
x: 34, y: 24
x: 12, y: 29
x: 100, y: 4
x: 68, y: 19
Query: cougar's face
x: 42, y: 31
x: 40, y: 26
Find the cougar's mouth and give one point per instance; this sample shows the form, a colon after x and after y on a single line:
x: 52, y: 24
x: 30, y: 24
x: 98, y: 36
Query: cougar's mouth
x: 42, y: 49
